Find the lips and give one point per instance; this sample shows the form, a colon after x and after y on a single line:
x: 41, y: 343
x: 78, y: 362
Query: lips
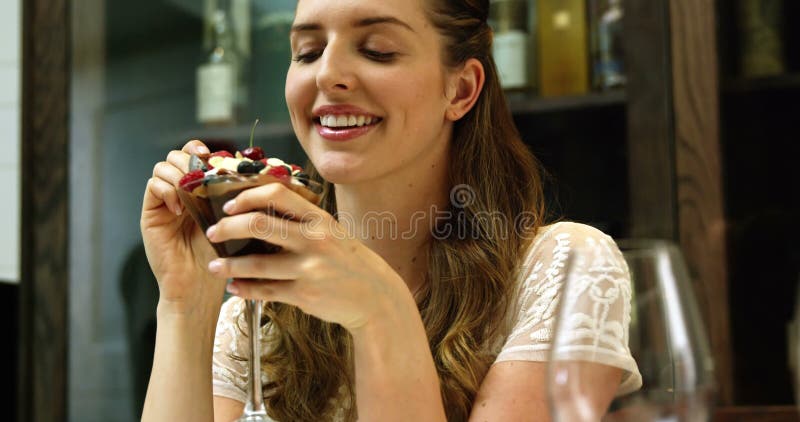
x: 343, y: 122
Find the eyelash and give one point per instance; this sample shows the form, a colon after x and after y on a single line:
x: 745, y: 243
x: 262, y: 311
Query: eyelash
x: 370, y: 54
x: 378, y: 56
x: 307, y: 57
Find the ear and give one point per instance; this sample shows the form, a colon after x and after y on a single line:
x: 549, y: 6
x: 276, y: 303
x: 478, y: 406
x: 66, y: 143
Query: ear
x: 464, y: 88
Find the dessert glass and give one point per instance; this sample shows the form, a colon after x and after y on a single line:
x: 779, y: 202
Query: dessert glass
x: 205, y: 204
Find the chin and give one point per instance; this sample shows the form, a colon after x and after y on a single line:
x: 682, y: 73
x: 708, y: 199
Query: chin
x: 338, y: 170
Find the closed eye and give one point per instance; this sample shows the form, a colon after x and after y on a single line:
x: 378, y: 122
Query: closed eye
x: 307, y: 57
x: 378, y: 56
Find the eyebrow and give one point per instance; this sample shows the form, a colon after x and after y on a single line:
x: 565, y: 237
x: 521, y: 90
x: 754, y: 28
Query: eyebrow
x: 378, y: 20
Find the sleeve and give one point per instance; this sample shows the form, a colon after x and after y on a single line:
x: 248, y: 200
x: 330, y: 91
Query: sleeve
x: 599, y: 301
x: 229, y: 364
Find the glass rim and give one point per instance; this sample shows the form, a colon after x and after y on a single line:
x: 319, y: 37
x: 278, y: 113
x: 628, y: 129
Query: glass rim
x: 312, y: 185
x: 646, y: 246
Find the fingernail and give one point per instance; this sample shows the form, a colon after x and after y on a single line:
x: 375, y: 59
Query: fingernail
x: 178, y: 209
x: 232, y: 289
x: 228, y: 207
x: 203, y: 150
x: 215, y: 266
x: 211, y: 231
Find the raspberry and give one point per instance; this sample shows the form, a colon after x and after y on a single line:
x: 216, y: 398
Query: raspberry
x: 191, y: 180
x: 295, y: 168
x: 222, y: 153
x: 279, y: 172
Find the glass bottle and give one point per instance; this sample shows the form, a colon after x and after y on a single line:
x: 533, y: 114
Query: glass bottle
x: 760, y: 23
x: 609, y: 68
x: 510, y: 46
x: 217, y: 79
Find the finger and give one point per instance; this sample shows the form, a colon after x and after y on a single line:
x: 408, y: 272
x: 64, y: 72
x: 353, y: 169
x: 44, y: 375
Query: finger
x: 195, y: 147
x: 158, y: 193
x: 277, y: 197
x: 168, y: 172
x: 179, y: 160
x: 279, y: 266
x: 270, y: 290
x: 258, y: 225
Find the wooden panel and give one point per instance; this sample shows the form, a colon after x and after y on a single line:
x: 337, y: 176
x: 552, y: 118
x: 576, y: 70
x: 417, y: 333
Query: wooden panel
x: 757, y: 414
x: 701, y: 221
x: 43, y: 301
x: 650, y: 153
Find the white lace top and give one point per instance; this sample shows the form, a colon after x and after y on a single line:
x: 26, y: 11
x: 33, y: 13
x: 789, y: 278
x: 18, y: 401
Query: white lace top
x: 600, y: 318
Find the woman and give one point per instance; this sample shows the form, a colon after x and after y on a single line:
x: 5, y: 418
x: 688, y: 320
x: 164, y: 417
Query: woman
x: 449, y: 321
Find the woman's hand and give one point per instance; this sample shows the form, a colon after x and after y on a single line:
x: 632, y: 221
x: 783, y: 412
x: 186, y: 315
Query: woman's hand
x: 320, y: 269
x: 176, y: 248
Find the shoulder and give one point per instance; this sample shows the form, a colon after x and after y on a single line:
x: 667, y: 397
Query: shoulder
x: 587, y: 247
x: 565, y: 237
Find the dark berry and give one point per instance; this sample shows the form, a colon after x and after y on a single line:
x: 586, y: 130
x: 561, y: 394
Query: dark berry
x: 191, y: 180
x: 279, y: 172
x: 246, y: 167
x: 253, y: 153
x: 259, y: 165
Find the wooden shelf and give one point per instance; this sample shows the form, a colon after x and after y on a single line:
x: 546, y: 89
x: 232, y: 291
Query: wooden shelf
x: 769, y: 83
x: 757, y: 414
x: 524, y: 104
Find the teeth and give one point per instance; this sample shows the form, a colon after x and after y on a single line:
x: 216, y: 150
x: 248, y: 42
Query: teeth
x: 351, y: 120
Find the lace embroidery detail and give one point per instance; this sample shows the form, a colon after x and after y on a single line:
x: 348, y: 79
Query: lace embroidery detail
x: 599, y: 286
x: 536, y: 320
x: 229, y: 373
x: 600, y: 299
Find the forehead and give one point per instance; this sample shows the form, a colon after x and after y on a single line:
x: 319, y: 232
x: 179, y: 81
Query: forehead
x: 346, y: 12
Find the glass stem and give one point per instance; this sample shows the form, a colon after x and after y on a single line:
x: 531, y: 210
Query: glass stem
x: 255, y: 400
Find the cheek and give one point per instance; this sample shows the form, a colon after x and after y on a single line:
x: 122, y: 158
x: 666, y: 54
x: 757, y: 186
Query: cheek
x: 416, y: 93
x: 297, y: 91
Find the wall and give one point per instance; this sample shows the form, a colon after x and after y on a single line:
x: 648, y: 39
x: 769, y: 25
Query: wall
x: 10, y: 29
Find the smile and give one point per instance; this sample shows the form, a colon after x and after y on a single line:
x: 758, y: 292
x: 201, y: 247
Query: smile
x: 333, y: 121
x: 344, y: 127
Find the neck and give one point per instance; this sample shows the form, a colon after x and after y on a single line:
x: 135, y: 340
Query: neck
x: 394, y: 215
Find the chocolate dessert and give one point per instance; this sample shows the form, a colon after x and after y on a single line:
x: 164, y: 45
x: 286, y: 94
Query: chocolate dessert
x: 219, y: 177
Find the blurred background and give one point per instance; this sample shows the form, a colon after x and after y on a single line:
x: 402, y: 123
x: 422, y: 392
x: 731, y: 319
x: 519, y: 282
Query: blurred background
x: 671, y: 119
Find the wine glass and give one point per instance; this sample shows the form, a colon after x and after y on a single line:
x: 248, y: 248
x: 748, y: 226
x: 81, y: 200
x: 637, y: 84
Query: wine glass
x: 666, y: 339
x: 254, y: 409
x: 206, y: 210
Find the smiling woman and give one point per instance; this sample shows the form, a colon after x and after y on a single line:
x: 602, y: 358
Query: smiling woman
x: 399, y: 108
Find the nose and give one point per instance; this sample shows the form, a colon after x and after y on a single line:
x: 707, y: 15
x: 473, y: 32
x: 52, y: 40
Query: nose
x: 335, y: 75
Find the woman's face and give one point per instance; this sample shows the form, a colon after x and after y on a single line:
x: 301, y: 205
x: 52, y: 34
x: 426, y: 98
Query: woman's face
x: 366, y: 88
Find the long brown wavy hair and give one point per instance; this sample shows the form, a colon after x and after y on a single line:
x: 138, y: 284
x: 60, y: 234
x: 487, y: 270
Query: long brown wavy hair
x: 471, y: 279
